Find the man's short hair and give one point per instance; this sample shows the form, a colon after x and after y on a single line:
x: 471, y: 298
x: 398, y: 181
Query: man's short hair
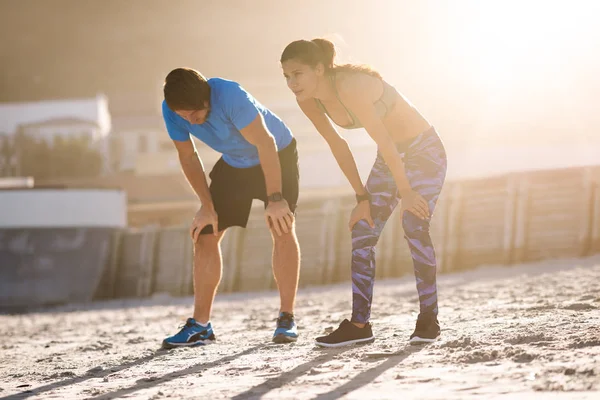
x: 186, y: 89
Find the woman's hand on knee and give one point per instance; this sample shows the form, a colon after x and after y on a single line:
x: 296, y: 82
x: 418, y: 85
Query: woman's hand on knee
x: 414, y: 203
x: 361, y: 211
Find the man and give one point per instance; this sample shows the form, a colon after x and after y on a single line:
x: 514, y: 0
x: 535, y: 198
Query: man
x: 259, y: 161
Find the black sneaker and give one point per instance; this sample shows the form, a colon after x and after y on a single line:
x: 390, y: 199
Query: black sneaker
x: 427, y: 329
x: 347, y: 333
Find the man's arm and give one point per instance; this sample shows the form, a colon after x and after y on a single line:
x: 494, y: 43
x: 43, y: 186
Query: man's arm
x: 278, y: 214
x: 192, y: 167
x: 244, y: 115
x: 257, y: 134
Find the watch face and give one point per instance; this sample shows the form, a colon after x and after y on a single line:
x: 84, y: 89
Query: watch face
x: 276, y: 197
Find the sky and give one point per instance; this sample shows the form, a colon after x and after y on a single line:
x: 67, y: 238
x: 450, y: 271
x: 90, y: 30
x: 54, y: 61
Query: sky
x: 506, y: 83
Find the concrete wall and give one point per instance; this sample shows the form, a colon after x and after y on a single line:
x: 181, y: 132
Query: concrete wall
x: 55, y: 245
x: 62, y: 208
x: 45, y: 266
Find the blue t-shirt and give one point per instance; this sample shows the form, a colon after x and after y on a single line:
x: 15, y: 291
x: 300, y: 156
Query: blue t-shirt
x: 231, y: 109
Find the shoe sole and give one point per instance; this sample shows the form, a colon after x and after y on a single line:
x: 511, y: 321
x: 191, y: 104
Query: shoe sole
x: 348, y: 343
x: 280, y: 339
x: 419, y: 340
x: 168, y: 346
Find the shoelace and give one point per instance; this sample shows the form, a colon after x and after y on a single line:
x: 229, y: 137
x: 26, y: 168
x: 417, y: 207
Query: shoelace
x: 285, y: 322
x: 187, y: 324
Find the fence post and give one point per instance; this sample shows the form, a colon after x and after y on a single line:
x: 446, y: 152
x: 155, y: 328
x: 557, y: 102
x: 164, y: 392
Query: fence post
x: 187, y: 277
x: 587, y: 225
x: 147, y: 257
x: 454, y: 214
x: 510, y: 217
x: 342, y: 240
x: 521, y: 219
x: 438, y: 229
x: 330, y: 208
x: 230, y: 247
x: 106, y: 288
x: 595, y: 214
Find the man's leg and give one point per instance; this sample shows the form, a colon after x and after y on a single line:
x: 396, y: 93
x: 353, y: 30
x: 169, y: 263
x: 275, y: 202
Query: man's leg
x: 232, y: 200
x: 286, y: 267
x: 286, y: 251
x: 207, y: 275
x: 208, y: 265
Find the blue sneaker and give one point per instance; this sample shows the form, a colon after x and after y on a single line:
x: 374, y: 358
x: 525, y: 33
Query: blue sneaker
x: 286, y: 331
x: 191, y: 334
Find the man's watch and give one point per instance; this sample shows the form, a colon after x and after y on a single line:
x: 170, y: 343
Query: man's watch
x: 274, y: 197
x: 363, y: 197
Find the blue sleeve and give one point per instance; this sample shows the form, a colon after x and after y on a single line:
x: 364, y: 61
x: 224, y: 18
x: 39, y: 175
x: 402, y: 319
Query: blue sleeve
x: 239, y: 106
x: 176, y: 131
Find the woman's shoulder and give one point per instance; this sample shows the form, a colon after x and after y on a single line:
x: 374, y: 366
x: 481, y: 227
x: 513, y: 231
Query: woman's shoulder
x: 356, y: 83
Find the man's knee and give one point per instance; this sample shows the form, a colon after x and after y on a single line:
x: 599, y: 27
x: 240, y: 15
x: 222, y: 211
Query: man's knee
x: 208, y: 242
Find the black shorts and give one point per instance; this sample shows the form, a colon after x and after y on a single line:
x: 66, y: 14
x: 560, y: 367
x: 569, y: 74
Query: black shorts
x: 233, y: 189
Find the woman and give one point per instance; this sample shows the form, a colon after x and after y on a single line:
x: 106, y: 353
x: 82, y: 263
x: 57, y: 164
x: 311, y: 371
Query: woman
x: 410, y: 165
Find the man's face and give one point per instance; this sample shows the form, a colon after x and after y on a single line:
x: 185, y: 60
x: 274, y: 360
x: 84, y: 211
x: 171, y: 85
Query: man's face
x: 196, y: 117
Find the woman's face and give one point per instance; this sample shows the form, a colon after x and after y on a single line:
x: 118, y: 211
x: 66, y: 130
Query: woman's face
x: 302, y: 79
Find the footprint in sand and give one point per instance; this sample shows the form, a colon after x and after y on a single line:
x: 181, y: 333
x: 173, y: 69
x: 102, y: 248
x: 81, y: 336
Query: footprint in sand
x: 526, y: 339
x: 579, y: 307
x: 462, y: 342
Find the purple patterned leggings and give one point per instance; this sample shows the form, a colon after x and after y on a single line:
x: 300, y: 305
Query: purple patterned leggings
x: 425, y: 165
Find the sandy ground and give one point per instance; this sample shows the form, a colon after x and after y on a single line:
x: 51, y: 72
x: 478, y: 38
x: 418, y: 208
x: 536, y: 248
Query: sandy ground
x: 525, y: 332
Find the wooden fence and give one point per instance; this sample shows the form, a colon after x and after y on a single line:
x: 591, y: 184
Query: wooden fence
x: 505, y: 220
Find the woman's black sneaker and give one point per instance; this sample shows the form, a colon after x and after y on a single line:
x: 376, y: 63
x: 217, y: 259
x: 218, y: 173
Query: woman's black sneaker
x: 347, y: 333
x: 427, y: 329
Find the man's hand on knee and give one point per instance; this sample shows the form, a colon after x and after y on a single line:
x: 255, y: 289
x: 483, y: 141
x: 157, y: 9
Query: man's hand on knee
x: 279, y: 217
x: 204, y: 217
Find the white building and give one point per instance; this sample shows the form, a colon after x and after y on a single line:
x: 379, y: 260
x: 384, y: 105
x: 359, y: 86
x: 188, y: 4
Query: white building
x: 143, y: 141
x: 45, y: 120
x: 64, y: 127
x: 92, y: 110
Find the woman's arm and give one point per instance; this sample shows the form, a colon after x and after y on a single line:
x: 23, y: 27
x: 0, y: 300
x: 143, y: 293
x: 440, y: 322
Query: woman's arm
x: 352, y: 93
x: 338, y: 145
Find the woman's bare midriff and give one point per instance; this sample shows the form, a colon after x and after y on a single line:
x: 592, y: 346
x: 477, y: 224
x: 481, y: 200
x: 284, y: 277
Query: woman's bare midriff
x: 405, y: 122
